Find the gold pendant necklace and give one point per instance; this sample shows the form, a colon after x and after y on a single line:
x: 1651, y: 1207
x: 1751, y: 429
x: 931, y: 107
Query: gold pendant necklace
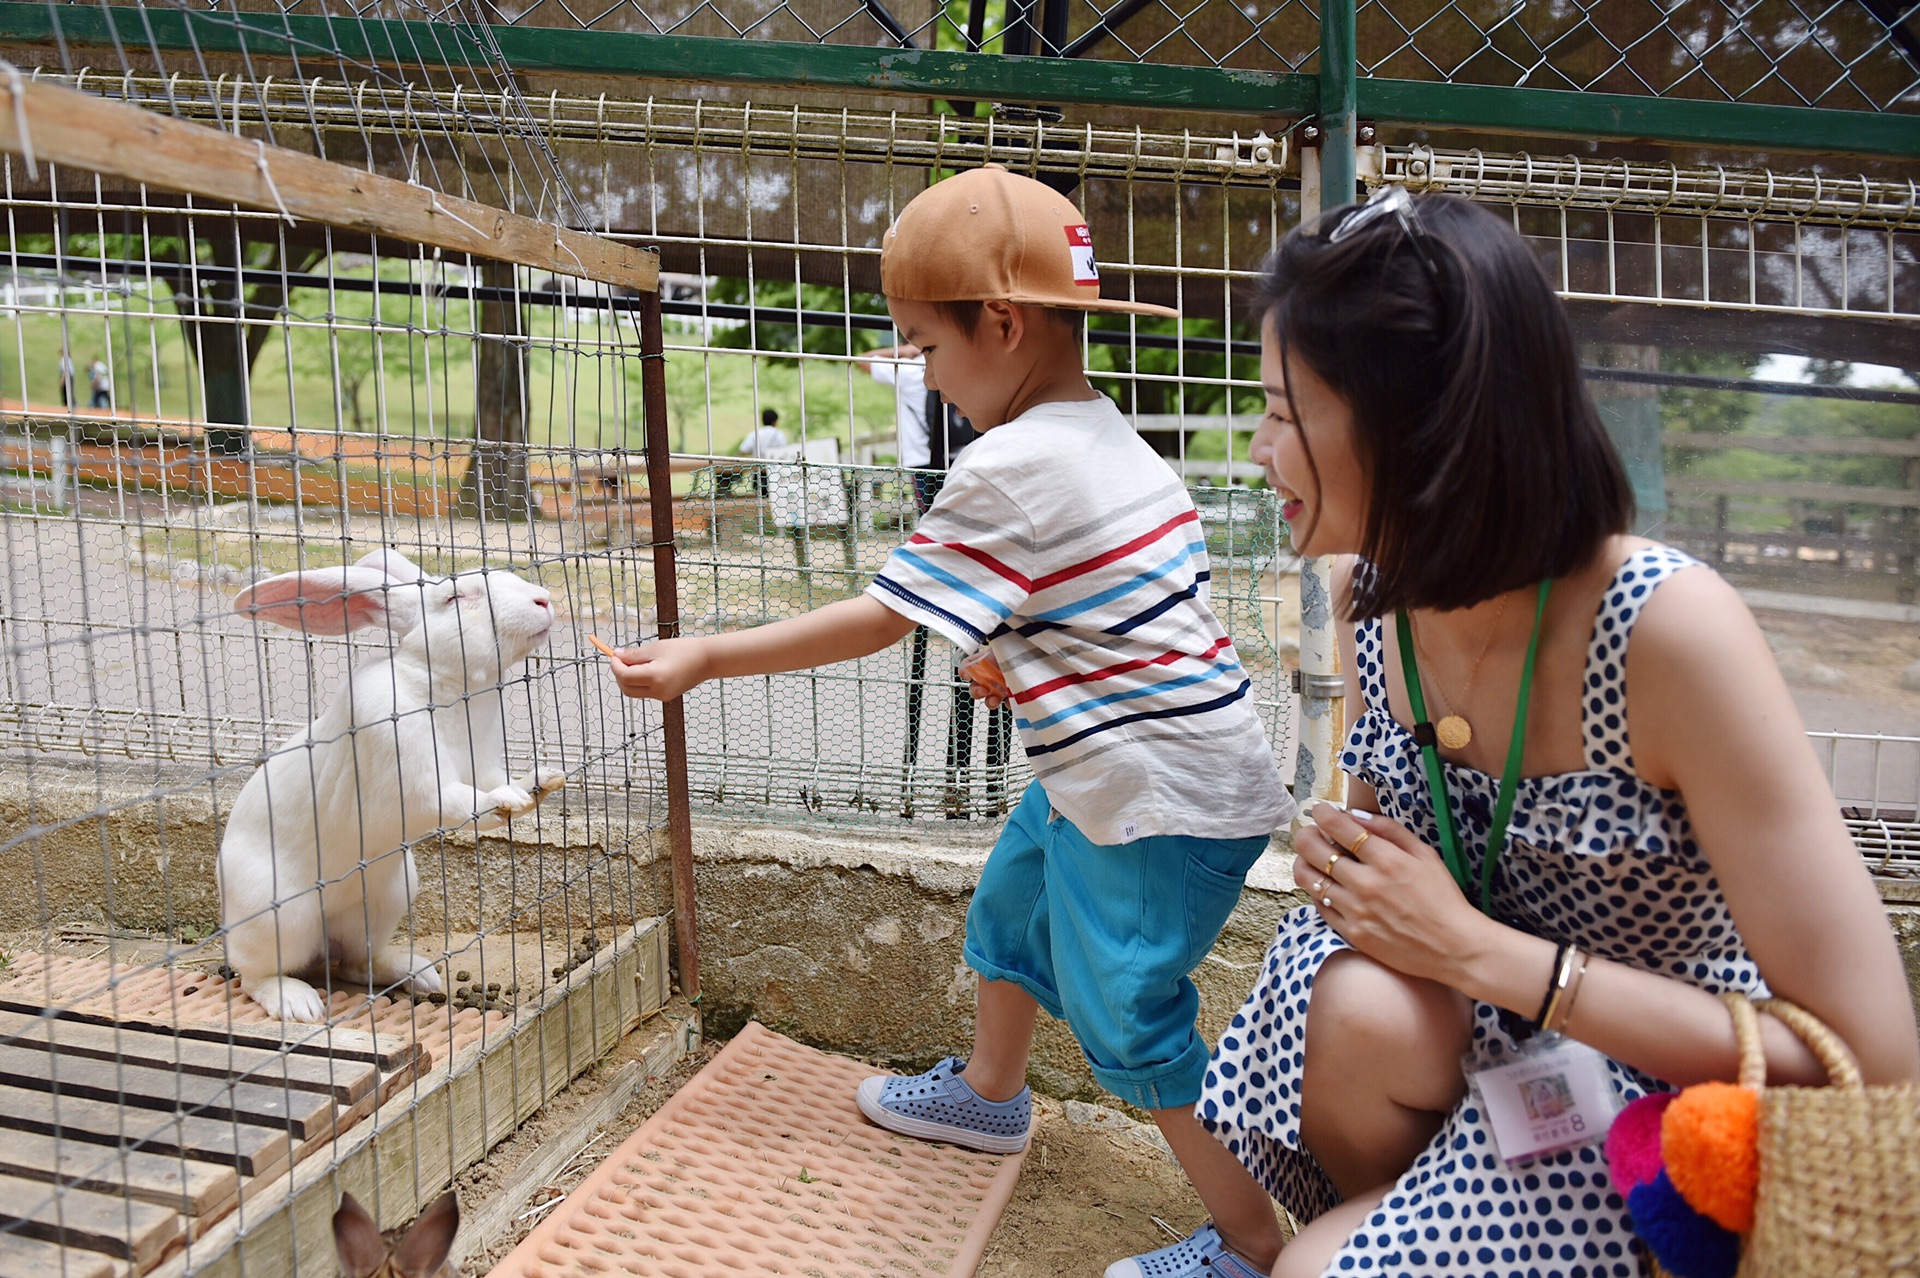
x: 1453, y: 731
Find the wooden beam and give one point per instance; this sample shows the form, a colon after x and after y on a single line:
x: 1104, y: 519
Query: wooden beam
x: 113, y: 138
x: 1839, y: 494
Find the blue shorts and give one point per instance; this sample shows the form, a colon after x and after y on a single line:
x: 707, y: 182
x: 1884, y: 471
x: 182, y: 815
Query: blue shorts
x: 1104, y: 937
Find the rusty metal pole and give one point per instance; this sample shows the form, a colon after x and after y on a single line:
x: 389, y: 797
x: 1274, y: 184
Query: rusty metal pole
x: 666, y: 603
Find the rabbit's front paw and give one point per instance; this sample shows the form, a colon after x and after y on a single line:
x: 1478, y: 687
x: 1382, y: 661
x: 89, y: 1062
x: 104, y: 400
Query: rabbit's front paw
x: 507, y: 802
x: 541, y: 783
x: 496, y: 807
x: 288, y: 998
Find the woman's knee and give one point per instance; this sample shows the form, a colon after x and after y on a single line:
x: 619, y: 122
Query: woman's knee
x: 1362, y: 1013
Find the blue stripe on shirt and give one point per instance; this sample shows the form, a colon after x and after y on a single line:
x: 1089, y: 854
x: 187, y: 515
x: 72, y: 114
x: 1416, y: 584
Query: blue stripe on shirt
x: 1174, y: 712
x: 1185, y: 556
x: 901, y: 592
x: 999, y: 610
x: 1132, y: 694
x: 1138, y: 619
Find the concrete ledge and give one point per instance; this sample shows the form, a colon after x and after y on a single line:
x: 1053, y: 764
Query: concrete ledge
x: 847, y: 938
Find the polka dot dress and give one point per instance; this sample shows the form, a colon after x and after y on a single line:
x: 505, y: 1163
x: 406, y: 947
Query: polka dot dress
x: 1598, y: 859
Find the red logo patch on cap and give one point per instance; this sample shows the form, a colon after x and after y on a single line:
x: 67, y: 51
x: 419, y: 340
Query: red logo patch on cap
x: 1080, y: 245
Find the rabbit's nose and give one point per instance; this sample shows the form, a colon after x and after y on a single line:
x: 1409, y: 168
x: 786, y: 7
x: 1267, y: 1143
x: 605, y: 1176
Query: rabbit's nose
x: 543, y: 600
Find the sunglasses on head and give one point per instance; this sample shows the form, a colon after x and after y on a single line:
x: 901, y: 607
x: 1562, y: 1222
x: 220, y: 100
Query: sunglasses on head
x: 1391, y: 201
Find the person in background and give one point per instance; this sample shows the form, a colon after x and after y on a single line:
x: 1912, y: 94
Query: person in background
x: 760, y: 443
x: 66, y: 380
x: 904, y: 368
x: 102, y: 382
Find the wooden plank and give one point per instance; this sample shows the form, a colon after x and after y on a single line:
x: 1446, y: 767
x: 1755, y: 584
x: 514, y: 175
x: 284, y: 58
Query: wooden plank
x: 481, y: 1227
x: 1831, y: 445
x: 301, y: 1113
x: 344, y: 1081
x: 252, y: 1151
x: 80, y: 1218
x: 1838, y: 494
x: 30, y: 1258
x: 408, y: 1155
x: 383, y: 1050
x: 183, y: 1184
x: 107, y: 137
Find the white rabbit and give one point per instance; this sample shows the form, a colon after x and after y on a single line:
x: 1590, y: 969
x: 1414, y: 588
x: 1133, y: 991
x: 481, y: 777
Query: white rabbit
x: 314, y: 867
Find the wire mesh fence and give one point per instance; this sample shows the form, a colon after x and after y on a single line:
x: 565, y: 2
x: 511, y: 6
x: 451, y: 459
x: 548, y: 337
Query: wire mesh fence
x: 314, y: 803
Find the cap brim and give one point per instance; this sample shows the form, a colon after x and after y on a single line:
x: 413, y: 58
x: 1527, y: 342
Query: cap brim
x: 1105, y: 305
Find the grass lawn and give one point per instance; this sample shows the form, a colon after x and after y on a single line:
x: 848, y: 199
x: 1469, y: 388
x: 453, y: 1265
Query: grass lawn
x: 417, y: 379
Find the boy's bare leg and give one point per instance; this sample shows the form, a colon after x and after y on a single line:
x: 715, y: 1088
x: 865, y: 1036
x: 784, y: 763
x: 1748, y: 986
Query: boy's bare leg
x: 1241, y: 1210
x: 1002, y: 1040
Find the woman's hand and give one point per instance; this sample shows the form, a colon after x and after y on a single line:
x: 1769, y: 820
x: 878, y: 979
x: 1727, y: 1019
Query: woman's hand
x: 1388, y: 894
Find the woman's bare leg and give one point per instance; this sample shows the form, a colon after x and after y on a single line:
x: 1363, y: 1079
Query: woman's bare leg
x: 1382, y: 1069
x: 1309, y: 1252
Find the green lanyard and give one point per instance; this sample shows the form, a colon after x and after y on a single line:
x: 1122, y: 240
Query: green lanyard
x: 1437, y: 778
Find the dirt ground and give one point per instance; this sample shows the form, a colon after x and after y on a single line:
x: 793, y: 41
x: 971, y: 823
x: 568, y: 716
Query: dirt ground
x: 1097, y: 1184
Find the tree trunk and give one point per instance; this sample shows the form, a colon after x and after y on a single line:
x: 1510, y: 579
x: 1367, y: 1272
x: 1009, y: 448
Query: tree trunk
x: 1631, y: 412
x: 226, y: 351
x: 495, y: 485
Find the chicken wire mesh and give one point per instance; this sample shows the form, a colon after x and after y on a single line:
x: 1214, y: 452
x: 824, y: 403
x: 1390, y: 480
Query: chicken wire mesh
x: 317, y: 798
x: 1854, y: 55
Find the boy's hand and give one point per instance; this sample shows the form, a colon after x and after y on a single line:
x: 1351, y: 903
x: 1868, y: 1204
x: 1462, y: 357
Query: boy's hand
x: 661, y: 671
x: 985, y: 680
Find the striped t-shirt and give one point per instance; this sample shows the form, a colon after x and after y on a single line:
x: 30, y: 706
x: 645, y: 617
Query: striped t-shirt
x: 1062, y: 540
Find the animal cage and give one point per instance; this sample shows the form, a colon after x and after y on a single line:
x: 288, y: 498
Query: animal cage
x: 288, y: 667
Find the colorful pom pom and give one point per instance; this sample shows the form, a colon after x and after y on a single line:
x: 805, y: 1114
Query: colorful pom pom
x: 1633, y: 1142
x: 1710, y: 1142
x: 1688, y: 1244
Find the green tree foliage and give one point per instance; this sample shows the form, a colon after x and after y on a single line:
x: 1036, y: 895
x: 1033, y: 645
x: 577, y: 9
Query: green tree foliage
x: 766, y: 332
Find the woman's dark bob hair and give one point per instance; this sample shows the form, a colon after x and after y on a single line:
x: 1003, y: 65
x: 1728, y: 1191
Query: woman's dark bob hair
x: 1489, y: 468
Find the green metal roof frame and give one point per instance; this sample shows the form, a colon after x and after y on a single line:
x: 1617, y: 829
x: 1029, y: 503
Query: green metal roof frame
x: 986, y: 76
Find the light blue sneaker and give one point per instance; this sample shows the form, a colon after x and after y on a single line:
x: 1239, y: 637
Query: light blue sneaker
x: 938, y: 1105
x: 1199, y: 1255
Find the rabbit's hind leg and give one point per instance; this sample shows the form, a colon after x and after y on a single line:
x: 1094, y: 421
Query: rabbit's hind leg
x: 288, y: 937
x: 288, y: 998
x: 399, y: 964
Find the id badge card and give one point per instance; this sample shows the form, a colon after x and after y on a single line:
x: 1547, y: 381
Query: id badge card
x: 1555, y: 1097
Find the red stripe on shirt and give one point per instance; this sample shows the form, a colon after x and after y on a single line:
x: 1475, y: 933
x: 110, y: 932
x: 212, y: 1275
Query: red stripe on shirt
x: 1118, y: 552
x: 1094, y: 676
x: 979, y: 556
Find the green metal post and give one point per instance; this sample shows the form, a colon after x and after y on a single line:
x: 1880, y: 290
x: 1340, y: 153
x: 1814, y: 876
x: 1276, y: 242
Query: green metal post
x: 1339, y: 102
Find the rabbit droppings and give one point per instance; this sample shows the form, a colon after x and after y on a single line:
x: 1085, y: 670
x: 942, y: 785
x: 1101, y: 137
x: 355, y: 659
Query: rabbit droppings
x: 420, y: 1253
x: 314, y: 868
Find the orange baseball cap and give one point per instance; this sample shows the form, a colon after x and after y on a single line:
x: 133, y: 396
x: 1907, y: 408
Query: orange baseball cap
x: 988, y: 235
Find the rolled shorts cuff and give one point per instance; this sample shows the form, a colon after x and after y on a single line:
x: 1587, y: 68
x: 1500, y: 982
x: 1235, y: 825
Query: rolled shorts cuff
x: 1048, y: 1000
x: 1172, y: 1086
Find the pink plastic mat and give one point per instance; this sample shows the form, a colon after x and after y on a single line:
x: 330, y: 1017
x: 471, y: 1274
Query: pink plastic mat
x: 762, y: 1164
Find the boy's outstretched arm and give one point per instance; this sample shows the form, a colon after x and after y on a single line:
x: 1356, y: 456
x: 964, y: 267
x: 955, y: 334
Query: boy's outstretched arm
x: 840, y: 631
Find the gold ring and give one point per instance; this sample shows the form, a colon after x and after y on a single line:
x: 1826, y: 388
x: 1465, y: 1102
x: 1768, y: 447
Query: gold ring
x: 1331, y: 861
x: 1353, y: 848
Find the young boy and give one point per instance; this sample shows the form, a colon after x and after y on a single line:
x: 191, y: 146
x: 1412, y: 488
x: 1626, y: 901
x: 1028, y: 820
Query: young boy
x: 1065, y: 545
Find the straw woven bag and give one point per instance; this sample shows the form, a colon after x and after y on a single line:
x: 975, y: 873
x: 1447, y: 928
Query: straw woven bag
x: 1839, y: 1189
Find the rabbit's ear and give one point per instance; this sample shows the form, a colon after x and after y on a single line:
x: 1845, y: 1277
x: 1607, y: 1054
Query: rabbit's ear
x: 425, y: 1247
x: 356, y: 1239
x: 395, y: 565
x: 326, y: 601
